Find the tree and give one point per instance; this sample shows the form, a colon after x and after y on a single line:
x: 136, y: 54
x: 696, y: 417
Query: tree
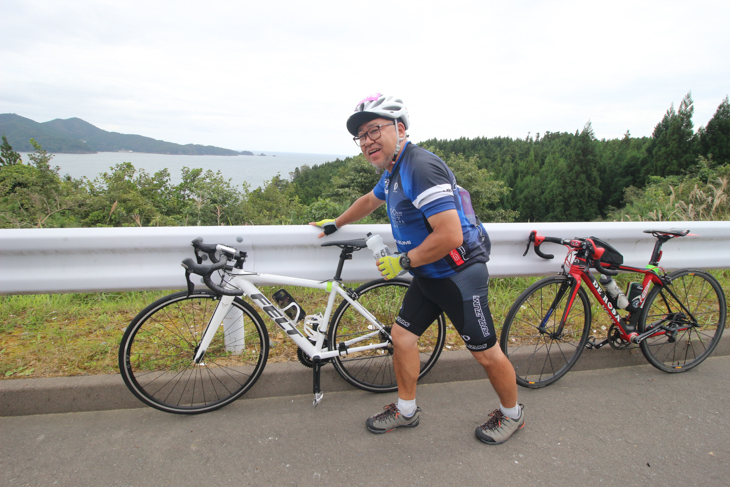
x: 35, y: 196
x: 673, y: 146
x: 715, y: 138
x: 8, y: 156
x: 273, y: 204
x: 40, y: 158
x: 573, y: 189
x: 620, y: 167
x: 116, y: 199
x: 485, y: 191
x: 530, y: 188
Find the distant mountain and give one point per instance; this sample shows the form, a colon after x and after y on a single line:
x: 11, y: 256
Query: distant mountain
x: 76, y: 136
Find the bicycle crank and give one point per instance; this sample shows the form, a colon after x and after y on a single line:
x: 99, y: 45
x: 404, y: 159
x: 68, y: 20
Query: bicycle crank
x: 615, y: 340
x: 306, y: 360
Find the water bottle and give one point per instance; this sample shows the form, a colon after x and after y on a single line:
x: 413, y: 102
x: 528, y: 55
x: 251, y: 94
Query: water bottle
x: 376, y: 245
x: 614, y: 291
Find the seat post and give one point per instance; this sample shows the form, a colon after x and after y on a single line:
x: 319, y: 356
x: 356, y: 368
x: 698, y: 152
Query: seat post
x: 346, y: 254
x: 656, y: 254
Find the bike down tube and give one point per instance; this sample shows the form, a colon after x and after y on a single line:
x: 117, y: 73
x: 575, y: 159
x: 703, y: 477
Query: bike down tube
x: 602, y: 297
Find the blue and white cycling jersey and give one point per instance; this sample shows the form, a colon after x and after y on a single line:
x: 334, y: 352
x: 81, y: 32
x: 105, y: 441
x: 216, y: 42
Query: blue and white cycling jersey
x: 424, y: 186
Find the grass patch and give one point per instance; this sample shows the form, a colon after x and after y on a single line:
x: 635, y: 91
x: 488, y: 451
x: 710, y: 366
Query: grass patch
x: 55, y: 335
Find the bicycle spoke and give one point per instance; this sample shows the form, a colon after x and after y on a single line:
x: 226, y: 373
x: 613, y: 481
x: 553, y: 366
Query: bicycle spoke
x: 372, y: 370
x: 529, y: 337
x: 689, y: 318
x: 157, y: 351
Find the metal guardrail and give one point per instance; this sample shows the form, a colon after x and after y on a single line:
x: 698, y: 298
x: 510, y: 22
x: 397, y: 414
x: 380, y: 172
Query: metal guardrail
x: 126, y: 259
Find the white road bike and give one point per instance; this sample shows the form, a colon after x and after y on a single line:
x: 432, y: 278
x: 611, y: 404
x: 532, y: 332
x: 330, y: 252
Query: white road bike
x: 198, y: 350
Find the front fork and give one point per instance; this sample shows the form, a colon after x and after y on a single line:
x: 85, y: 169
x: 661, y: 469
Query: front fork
x: 572, y: 284
x: 216, y: 321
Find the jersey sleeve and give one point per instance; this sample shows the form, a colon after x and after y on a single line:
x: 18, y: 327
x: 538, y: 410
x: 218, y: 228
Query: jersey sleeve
x: 379, y: 189
x: 429, y: 186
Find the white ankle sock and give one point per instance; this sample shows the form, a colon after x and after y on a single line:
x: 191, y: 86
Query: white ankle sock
x: 512, y: 413
x: 406, y: 408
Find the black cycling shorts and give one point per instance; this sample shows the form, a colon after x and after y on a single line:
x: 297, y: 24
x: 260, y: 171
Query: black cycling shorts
x: 464, y: 299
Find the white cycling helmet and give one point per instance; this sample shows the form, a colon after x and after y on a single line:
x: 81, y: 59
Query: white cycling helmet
x: 377, y: 106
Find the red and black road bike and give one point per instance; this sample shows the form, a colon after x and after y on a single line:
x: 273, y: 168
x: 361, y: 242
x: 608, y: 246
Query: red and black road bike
x: 676, y: 318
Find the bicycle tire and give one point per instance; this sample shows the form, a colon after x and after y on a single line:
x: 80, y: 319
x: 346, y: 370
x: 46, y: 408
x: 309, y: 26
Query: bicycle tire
x: 373, y: 370
x: 157, y: 350
x: 692, y: 341
x: 540, y: 359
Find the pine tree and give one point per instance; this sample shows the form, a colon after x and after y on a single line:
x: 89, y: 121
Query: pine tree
x: 673, y: 146
x: 715, y: 138
x: 8, y: 156
x: 529, y: 189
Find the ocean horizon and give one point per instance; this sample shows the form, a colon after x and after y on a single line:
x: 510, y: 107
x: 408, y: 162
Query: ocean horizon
x: 255, y: 170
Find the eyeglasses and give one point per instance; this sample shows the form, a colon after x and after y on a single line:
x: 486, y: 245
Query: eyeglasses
x: 373, y: 133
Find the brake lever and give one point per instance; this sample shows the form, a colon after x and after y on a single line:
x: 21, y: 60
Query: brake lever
x: 529, y: 241
x: 191, y: 286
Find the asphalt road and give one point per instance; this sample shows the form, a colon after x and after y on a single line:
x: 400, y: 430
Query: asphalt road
x: 619, y: 426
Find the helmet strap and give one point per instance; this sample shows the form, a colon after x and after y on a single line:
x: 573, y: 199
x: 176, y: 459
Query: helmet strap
x: 398, y: 139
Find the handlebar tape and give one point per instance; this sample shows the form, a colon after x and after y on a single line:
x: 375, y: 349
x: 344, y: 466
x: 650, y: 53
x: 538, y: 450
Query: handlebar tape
x: 209, y: 249
x: 206, y: 271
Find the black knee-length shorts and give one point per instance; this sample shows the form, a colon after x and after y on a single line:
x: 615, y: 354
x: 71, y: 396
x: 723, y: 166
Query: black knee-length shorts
x: 464, y: 299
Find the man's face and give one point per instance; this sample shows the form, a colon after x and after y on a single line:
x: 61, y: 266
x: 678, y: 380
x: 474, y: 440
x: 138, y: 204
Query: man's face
x: 379, y: 153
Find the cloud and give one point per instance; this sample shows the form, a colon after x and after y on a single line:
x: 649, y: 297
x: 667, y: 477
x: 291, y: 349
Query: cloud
x: 285, y: 75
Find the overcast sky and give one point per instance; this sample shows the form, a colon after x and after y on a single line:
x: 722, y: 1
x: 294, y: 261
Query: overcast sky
x: 285, y: 75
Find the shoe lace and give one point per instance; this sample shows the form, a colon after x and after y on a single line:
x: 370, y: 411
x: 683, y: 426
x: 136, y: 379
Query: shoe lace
x: 494, y: 421
x: 388, y: 411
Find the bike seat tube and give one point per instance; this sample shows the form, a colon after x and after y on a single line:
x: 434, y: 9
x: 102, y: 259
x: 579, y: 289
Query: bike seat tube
x: 346, y: 254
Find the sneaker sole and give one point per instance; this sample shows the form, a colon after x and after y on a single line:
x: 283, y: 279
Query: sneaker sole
x: 499, y: 442
x: 380, y: 432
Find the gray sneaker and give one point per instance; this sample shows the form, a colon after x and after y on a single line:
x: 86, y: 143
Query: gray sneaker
x: 391, y: 419
x: 499, y: 427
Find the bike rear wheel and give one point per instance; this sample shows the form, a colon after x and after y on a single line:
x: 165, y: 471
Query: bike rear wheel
x: 540, y: 355
x: 157, y: 350
x: 689, y: 326
x: 372, y: 370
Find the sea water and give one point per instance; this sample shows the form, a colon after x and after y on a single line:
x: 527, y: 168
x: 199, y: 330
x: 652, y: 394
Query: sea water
x: 255, y: 170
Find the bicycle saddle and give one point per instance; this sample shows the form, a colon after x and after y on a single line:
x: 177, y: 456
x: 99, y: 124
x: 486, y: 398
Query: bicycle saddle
x: 674, y: 232
x: 357, y: 243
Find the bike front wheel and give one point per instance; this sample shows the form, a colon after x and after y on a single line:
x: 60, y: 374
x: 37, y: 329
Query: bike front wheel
x: 531, y: 338
x: 157, y: 351
x: 689, y: 321
x: 372, y: 370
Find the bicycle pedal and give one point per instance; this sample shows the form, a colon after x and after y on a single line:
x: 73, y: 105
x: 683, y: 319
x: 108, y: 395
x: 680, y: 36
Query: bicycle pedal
x: 317, y: 399
x: 592, y: 345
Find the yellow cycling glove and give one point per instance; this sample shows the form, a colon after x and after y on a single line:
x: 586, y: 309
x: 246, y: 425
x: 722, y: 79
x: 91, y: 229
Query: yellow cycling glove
x: 328, y: 226
x: 390, y: 266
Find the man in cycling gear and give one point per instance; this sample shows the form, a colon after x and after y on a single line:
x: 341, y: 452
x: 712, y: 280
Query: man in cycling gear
x: 446, y: 253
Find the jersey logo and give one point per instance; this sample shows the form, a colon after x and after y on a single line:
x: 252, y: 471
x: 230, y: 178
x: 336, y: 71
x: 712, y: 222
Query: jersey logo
x: 396, y: 217
x: 457, y: 257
